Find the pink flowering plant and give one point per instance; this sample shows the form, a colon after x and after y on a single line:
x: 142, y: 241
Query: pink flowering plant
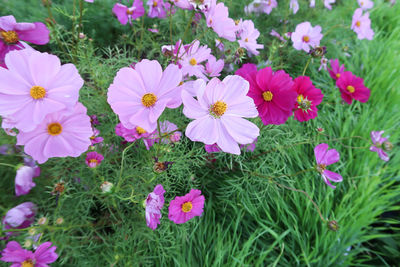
x: 199, y: 133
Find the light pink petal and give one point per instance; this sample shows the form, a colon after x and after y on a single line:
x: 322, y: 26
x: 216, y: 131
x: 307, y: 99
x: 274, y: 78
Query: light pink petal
x: 333, y: 176
x: 203, y: 129
x: 120, y: 11
x: 151, y: 72
x: 192, y: 108
x: 38, y: 35
x: 320, y: 151
x: 43, y: 67
x: 226, y: 142
x: 241, y: 130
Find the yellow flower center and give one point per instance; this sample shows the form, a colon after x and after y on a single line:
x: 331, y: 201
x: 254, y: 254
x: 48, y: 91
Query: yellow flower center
x: 338, y: 75
x: 362, y: 3
x: 140, y: 130
x: 93, y: 161
x: 300, y: 98
x: 193, y: 62
x: 358, y: 24
x: 187, y: 206
x: 246, y: 40
x: 28, y: 263
x: 148, y: 100
x: 321, y: 168
x: 267, y: 96
x: 306, y: 38
x: 10, y: 37
x: 351, y: 89
x: 54, y: 128
x: 37, y: 92
x: 218, y: 109
x: 155, y: 3
x: 128, y: 12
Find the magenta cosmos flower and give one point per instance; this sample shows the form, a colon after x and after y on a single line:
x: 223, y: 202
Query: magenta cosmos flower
x: 154, y: 204
x: 217, y: 18
x: 12, y: 34
x: 305, y: 36
x: 93, y: 159
x: 23, y: 179
x: 380, y: 144
x: 35, y: 85
x: 125, y: 14
x: 95, y: 138
x: 336, y: 69
x: 271, y: 91
x: 156, y: 9
x: 248, y: 37
x: 365, y: 4
x: 140, y: 95
x: 218, y: 113
x: 61, y: 134
x: 361, y: 24
x: 325, y: 157
x: 43, y: 255
x: 308, y: 98
x: 182, y: 209
x: 352, y: 87
x: 20, y: 217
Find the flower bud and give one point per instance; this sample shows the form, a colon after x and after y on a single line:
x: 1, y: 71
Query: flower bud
x: 106, y: 187
x: 60, y: 220
x: 333, y: 225
x: 42, y: 221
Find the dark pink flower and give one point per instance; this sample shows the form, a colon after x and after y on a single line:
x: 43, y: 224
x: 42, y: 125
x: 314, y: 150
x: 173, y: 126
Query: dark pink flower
x: 93, y: 159
x: 131, y: 135
x: 12, y: 34
x: 94, y: 120
x: 325, y: 157
x: 23, y: 179
x: 271, y: 91
x: 184, y: 208
x: 125, y: 14
x: 336, y: 70
x: 154, y: 203
x: 308, y: 97
x: 352, y: 87
x: 43, y: 255
x: 156, y: 9
x: 95, y: 138
x: 380, y: 144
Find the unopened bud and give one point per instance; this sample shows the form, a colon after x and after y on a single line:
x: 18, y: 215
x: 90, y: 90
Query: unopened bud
x: 42, y: 221
x: 333, y: 225
x: 106, y: 187
x: 60, y: 220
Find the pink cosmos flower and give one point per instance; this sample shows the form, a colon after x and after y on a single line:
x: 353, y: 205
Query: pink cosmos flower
x: 12, y: 34
x: 361, y: 24
x: 35, y: 85
x: 308, y: 98
x: 61, y: 134
x: 156, y: 9
x: 215, y: 148
x: 95, y: 138
x: 153, y: 30
x: 220, y: 45
x: 214, y: 67
x: 125, y: 14
x: 294, y: 5
x: 94, y: 120
x: 337, y: 69
x: 323, y: 64
x: 182, y: 209
x: 271, y: 91
x: 365, y: 4
x: 306, y: 36
x: 218, y: 113
x: 352, y: 87
x: 21, y: 216
x: 184, y: 4
x: 312, y: 3
x: 248, y: 37
x: 166, y: 128
x: 276, y: 34
x: 380, y: 144
x: 23, y: 179
x: 203, y: 5
x: 89, y: 1
x: 217, y: 18
x: 140, y: 95
x: 154, y: 204
x: 131, y: 135
x: 192, y: 59
x: 93, y: 159
x: 261, y: 6
x: 325, y: 157
x: 327, y: 3
x: 43, y: 255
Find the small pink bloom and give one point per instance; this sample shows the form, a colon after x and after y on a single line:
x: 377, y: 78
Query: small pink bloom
x: 125, y: 14
x: 220, y: 45
x: 294, y: 5
x: 184, y: 4
x: 94, y: 120
x: 336, y: 69
x: 214, y: 67
x: 167, y: 128
x: 323, y: 64
x: 215, y: 148
x: 89, y: 1
x: 312, y: 3
x: 156, y: 9
x: 306, y: 36
x: 12, y: 34
x: 95, y: 138
x: 131, y: 135
x: 153, y: 30
x: 218, y: 113
x: 361, y: 24
x: 35, y: 85
x: 93, y: 159
x: 271, y: 91
x: 380, y: 144
x: 23, y: 179
x: 352, y: 87
x: 140, y: 95
x: 61, y: 134
x: 327, y: 3
x: 276, y: 34
x: 184, y: 208
x: 192, y: 59
x: 365, y: 4
x: 21, y: 216
x: 154, y: 204
x: 308, y: 98
x: 261, y: 6
x: 248, y: 37
x: 217, y: 18
x: 325, y: 157
x: 43, y: 255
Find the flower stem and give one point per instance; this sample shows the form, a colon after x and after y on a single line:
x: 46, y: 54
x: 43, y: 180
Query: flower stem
x: 305, y: 68
x: 122, y: 166
x: 141, y: 39
x: 7, y: 165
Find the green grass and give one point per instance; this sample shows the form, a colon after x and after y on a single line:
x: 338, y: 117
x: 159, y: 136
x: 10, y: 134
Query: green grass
x: 248, y: 220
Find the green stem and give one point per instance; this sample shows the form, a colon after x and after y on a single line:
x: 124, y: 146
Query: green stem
x: 122, y: 166
x: 305, y: 68
x: 141, y: 40
x: 184, y: 34
x: 170, y: 24
x: 7, y: 165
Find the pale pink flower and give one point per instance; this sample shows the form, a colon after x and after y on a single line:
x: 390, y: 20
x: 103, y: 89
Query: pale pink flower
x: 23, y: 179
x: 60, y: 134
x: 327, y: 3
x: 325, y: 157
x: 125, y: 14
x: 203, y: 5
x: 191, y: 60
x: 366, y: 4
x: 169, y: 134
x: 361, y: 25
x: 294, y: 5
x: 248, y: 37
x: 214, y: 67
x: 218, y: 113
x: 380, y: 144
x: 261, y: 6
x: 19, y: 217
x: 277, y: 35
x: 154, y: 204
x: 217, y: 17
x: 35, y: 85
x: 306, y: 36
x: 140, y: 95
x: 312, y: 3
x: 156, y: 9
x: 184, y: 4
